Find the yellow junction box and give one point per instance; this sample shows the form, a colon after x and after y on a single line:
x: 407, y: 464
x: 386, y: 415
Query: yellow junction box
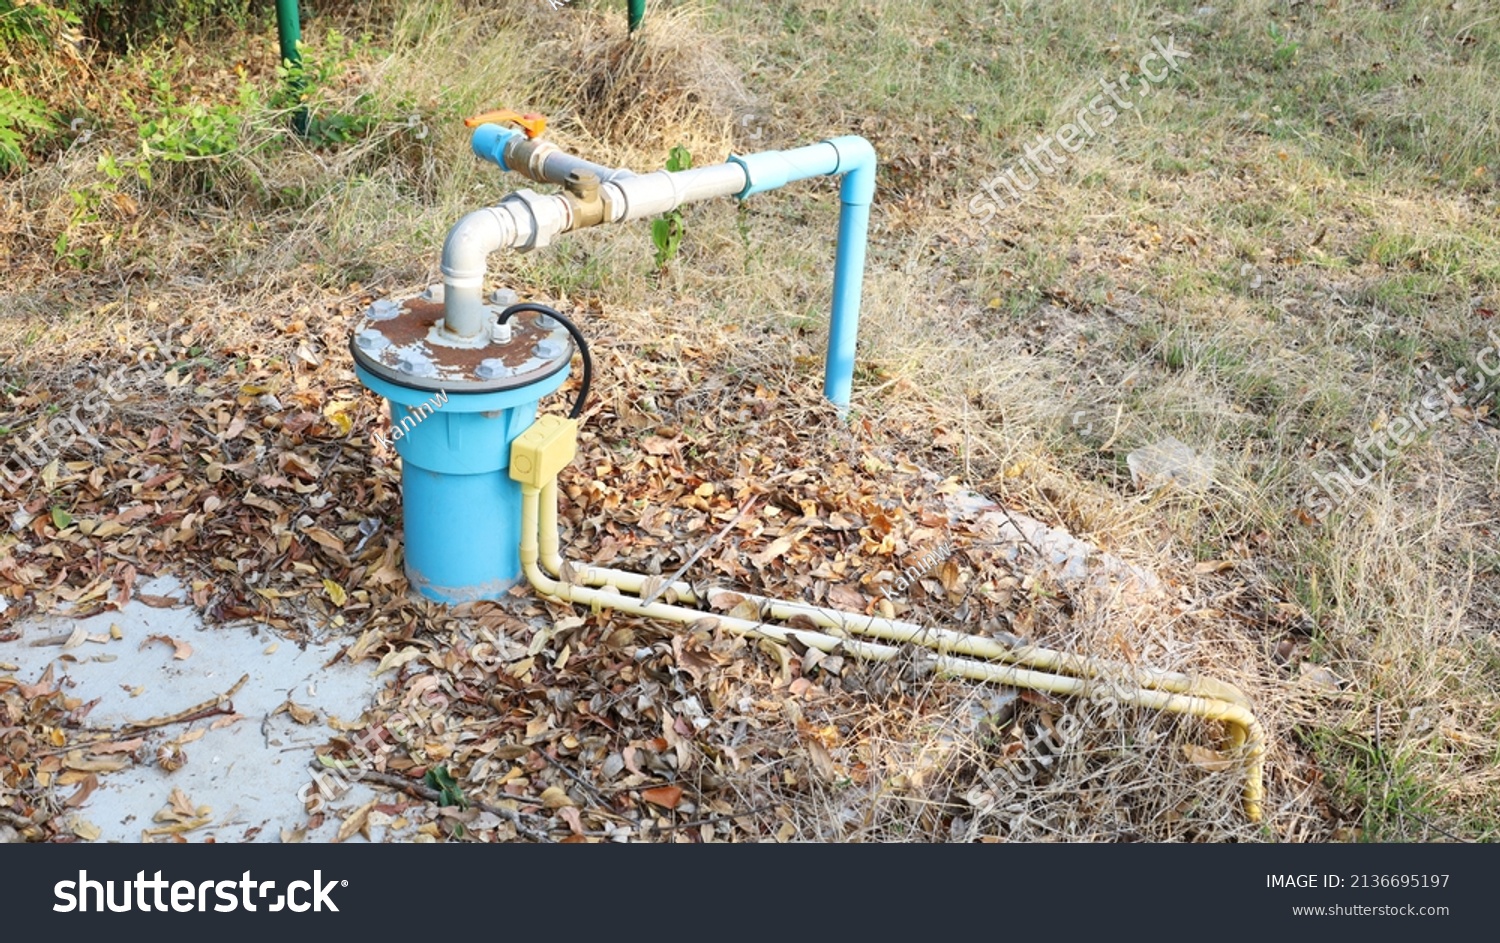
x: 543, y: 450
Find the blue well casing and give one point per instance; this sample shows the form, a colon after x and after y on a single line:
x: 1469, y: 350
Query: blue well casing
x: 461, y: 509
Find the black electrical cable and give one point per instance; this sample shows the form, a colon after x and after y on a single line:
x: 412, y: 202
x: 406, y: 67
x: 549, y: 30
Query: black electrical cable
x: 583, y: 347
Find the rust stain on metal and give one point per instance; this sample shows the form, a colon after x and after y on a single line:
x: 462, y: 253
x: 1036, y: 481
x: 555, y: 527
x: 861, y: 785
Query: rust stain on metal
x: 410, y: 331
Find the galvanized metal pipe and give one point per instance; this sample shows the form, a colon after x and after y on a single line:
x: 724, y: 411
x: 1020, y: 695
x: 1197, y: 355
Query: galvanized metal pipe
x: 628, y: 196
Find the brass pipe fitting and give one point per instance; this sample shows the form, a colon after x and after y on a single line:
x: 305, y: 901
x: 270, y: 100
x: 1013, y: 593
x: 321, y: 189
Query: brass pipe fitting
x: 581, y: 190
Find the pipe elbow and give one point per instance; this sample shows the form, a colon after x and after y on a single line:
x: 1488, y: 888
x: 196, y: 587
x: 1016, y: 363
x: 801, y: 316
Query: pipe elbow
x: 465, y: 252
x: 471, y: 240
x: 856, y: 163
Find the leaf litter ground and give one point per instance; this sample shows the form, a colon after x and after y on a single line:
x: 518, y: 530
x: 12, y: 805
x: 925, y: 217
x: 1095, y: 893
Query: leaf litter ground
x: 251, y: 473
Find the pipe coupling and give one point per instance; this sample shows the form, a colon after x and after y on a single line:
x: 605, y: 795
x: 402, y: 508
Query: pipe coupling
x: 539, y: 218
x: 584, y: 199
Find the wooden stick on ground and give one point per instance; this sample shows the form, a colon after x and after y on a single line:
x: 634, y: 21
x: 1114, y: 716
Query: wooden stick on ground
x: 206, y: 709
x: 422, y: 791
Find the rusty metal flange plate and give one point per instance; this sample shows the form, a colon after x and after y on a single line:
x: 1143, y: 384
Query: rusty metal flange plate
x: 394, y: 341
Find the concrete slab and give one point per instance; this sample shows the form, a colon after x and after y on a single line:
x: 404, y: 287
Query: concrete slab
x: 248, y: 772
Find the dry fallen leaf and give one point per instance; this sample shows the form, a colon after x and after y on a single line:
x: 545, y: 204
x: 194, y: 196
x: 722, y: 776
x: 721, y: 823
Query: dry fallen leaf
x: 97, y: 764
x: 181, y: 805
x: 777, y: 547
x: 665, y: 796
x: 395, y: 659
x: 355, y: 822
x: 117, y: 746
x: 300, y: 714
x: 574, y: 819
x: 180, y: 650
x: 1211, y: 760
x: 85, y: 829
x: 846, y: 597
x: 822, y: 760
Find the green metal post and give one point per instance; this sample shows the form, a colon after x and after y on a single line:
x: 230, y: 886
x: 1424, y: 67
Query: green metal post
x: 637, y: 13
x: 289, y: 31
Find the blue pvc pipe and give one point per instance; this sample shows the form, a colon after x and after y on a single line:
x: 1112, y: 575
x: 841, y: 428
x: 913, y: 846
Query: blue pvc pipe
x: 461, y: 509
x: 854, y: 159
x: 489, y: 142
x: 848, y: 283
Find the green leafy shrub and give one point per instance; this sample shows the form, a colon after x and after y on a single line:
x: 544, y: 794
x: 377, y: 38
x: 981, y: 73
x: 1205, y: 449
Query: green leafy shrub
x: 120, y: 26
x: 312, y: 85
x: 20, y: 117
x: 30, y: 35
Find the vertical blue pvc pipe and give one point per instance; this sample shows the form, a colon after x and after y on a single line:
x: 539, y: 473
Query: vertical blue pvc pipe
x: 856, y: 193
x: 853, y: 158
x: 843, y: 323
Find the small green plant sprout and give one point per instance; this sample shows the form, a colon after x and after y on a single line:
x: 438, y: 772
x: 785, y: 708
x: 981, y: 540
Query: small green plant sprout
x: 449, y: 792
x: 1285, y: 49
x: 666, y: 232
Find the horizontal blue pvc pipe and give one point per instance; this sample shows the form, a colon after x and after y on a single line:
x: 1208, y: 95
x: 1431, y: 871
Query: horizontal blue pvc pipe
x: 489, y: 142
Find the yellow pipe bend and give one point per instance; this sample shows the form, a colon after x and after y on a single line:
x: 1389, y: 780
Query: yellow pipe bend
x: 539, y: 544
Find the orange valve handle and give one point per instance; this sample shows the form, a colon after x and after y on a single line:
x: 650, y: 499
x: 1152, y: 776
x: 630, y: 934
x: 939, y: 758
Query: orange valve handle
x: 531, y: 123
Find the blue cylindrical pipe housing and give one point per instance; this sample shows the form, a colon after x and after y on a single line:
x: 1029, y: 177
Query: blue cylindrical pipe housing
x: 462, y: 510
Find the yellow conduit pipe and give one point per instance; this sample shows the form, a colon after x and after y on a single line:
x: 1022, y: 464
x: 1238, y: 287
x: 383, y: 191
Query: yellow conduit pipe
x: 539, y: 539
x: 941, y: 640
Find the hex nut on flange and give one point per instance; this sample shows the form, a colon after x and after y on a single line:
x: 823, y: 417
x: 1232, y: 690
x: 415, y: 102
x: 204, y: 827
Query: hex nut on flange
x: 371, y: 340
x: 383, y: 310
x: 416, y: 365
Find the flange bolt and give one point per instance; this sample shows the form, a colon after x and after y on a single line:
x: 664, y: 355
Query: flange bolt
x: 383, y: 310
x: 371, y: 340
x: 416, y: 365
